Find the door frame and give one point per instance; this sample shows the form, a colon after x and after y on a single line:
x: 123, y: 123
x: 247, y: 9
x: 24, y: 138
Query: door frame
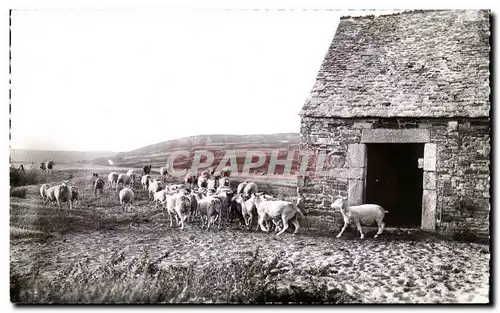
x: 357, y: 162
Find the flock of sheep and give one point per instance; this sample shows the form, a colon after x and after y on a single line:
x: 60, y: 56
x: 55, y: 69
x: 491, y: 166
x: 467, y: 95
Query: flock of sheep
x: 210, y: 197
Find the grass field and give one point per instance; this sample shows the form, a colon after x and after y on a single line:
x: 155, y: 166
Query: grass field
x: 97, y: 254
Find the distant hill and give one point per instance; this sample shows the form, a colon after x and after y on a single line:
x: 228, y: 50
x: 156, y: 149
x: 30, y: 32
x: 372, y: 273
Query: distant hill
x: 158, y: 154
x: 25, y: 156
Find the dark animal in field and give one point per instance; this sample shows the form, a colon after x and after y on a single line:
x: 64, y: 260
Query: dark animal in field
x: 147, y: 169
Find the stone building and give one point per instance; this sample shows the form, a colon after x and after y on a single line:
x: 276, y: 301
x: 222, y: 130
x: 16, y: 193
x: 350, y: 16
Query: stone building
x: 401, y: 109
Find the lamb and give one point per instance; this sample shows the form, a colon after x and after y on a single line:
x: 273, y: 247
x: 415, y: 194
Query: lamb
x: 145, y: 182
x: 112, y: 179
x: 43, y: 192
x: 364, y: 213
x: 126, y: 198
x: 276, y: 210
x: 123, y: 179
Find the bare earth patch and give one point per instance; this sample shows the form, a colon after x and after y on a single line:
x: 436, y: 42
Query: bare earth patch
x: 370, y: 270
x: 383, y: 270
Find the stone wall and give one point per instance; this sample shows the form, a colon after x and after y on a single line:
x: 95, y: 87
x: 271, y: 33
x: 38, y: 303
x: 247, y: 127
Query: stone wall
x: 462, y: 166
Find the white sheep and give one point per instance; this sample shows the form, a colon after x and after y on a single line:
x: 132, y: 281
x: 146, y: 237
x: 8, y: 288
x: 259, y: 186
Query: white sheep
x: 364, y: 213
x: 250, y: 188
x: 183, y: 207
x: 160, y: 197
x: 60, y: 193
x: 112, y: 179
x: 132, y: 176
x: 145, y: 182
x: 123, y: 179
x: 154, y: 186
x: 43, y: 192
x: 276, y: 210
x: 126, y: 198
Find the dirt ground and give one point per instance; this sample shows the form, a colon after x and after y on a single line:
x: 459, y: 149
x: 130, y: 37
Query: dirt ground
x: 383, y: 270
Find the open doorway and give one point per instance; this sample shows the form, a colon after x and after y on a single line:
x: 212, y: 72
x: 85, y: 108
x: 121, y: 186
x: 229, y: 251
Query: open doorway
x: 394, y: 182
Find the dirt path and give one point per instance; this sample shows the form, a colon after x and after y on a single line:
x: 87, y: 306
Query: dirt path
x: 371, y: 270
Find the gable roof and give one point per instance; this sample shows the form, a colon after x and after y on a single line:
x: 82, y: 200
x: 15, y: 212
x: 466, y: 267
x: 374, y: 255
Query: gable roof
x: 411, y: 64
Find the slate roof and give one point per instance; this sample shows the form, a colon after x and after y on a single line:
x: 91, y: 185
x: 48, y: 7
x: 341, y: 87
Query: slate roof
x: 432, y: 63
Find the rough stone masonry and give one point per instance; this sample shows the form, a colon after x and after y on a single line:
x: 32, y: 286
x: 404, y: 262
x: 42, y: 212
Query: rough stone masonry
x: 418, y: 76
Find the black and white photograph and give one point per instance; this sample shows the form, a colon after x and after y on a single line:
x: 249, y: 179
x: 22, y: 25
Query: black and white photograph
x: 266, y: 155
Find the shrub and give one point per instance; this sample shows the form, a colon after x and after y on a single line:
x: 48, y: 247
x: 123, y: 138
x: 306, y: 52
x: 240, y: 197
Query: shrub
x: 141, y: 280
x: 30, y: 177
x: 18, y: 192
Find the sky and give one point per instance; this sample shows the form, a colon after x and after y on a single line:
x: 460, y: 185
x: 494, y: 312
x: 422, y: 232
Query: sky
x: 118, y: 80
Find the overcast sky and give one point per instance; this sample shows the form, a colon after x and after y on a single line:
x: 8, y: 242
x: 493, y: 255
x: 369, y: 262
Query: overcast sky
x: 120, y: 80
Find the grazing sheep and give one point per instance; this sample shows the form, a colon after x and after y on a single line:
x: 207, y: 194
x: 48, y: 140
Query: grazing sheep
x: 276, y: 210
x: 43, y: 192
x: 146, y: 169
x: 126, y: 198
x: 364, y: 213
x: 241, y: 187
x: 60, y: 193
x: 145, y: 182
x: 112, y: 179
x: 183, y: 208
x: 154, y: 186
x: 132, y: 176
x: 250, y: 188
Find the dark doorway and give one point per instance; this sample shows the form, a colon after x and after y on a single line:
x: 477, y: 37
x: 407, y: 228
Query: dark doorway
x: 394, y: 182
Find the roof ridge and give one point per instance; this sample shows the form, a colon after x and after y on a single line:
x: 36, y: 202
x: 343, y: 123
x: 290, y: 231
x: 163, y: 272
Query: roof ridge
x: 410, y: 11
